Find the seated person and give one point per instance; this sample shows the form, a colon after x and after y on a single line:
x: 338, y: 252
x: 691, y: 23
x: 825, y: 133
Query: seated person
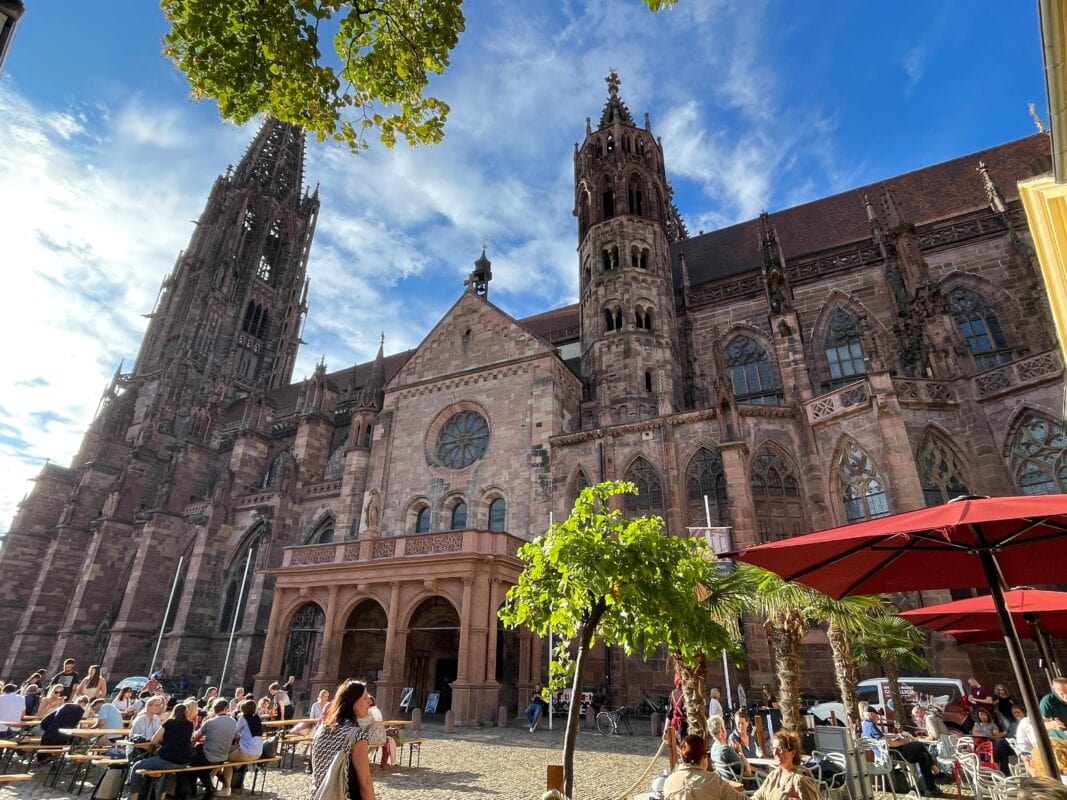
x: 741, y: 737
x: 986, y: 728
x: 248, y: 740
x: 145, y: 726
x: 12, y: 706
x: 107, y: 717
x: 789, y: 780
x: 930, y: 722
x: 1054, y: 704
x: 54, y: 697
x: 212, y: 742
x: 67, y: 715
x: 238, y: 700
x: 910, y: 750
x: 723, y: 754
x: 692, y: 780
x: 175, y: 740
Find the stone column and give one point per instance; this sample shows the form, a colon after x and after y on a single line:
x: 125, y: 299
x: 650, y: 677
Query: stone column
x: 330, y: 652
x: 271, y: 662
x: 461, y: 686
x: 393, y: 660
x: 490, y: 647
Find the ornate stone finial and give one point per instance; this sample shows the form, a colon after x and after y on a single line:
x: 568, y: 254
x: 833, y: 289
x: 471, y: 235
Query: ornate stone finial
x: 613, y: 83
x: 1037, y: 120
x: 996, y: 202
x: 869, y: 209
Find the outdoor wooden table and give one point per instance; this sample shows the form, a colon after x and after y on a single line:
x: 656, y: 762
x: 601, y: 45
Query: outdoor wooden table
x: 397, y: 723
x: 137, y: 745
x: 22, y: 723
x: 14, y: 777
x: 89, y: 733
x: 288, y: 723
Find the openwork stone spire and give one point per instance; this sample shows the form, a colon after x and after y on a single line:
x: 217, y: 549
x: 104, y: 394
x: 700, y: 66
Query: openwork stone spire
x: 275, y: 159
x: 614, y: 110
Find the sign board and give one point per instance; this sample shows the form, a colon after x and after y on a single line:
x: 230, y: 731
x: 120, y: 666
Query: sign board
x: 407, y: 694
x: 432, y: 699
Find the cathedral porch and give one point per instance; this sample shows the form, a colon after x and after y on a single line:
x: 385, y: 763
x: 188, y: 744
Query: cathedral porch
x: 413, y: 611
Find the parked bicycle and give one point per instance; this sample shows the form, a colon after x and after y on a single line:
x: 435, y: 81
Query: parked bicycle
x: 648, y: 707
x: 609, y: 722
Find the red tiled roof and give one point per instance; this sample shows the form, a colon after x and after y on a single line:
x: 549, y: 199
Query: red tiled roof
x: 926, y: 195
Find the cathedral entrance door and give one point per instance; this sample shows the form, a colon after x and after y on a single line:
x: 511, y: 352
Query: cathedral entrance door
x: 432, y: 651
x: 363, y: 646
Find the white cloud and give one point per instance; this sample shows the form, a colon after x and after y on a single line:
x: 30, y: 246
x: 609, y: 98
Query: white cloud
x: 914, y: 64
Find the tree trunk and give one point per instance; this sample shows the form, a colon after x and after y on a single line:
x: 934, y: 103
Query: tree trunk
x: 585, y: 636
x: 694, y: 677
x: 892, y: 675
x: 845, y: 673
x: 786, y: 633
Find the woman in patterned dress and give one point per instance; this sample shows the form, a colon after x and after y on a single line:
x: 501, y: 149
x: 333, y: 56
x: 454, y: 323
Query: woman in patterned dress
x: 338, y: 731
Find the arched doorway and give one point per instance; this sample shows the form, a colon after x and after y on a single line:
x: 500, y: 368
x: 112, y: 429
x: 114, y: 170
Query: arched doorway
x: 363, y: 645
x: 433, y: 651
x: 302, y: 646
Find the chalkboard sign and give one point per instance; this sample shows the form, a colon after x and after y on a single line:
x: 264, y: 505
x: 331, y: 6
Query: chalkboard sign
x: 407, y: 694
x: 431, y: 703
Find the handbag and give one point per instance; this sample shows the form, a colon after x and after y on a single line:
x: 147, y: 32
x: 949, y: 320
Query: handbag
x: 334, y: 784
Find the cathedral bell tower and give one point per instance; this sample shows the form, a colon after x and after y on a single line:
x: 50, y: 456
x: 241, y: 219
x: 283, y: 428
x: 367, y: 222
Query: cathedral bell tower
x: 628, y: 329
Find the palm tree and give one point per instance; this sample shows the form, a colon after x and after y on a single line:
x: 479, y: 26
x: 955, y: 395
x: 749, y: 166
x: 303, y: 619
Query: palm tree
x: 892, y: 642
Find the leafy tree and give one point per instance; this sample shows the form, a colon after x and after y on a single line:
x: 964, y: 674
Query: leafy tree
x: 891, y: 642
x: 254, y: 56
x: 626, y: 581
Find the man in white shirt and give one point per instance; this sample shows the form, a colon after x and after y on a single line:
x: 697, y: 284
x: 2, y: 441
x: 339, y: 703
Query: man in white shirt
x: 714, y: 706
x: 12, y: 706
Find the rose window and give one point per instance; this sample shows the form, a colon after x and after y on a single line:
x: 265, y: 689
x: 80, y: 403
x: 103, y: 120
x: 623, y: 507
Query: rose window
x: 462, y: 440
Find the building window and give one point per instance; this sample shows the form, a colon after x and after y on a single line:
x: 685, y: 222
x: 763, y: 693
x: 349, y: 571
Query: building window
x: 649, y: 497
x: 776, y: 497
x: 750, y: 372
x: 980, y: 327
x: 304, y: 642
x: 462, y: 440
x: 844, y: 350
x: 234, y: 598
x: 422, y: 520
x: 323, y: 533
x: 497, y: 514
x: 274, y: 472
x: 335, y: 466
x: 940, y: 471
x: 580, y: 482
x: 459, y: 516
x: 862, y: 488
x: 707, y: 478
x: 1038, y: 457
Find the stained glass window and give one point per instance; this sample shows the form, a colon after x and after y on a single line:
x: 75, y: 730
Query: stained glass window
x: 1038, y: 457
x: 459, y: 516
x: 649, y: 497
x: 422, y: 520
x: 707, y: 477
x: 940, y: 471
x: 462, y: 440
x: 862, y: 488
x: 497, y: 514
x: 750, y: 371
x: 844, y: 350
x: 980, y: 327
x: 776, y: 497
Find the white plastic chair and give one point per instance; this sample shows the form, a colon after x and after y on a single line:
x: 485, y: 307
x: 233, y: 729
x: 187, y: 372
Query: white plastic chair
x: 880, y: 768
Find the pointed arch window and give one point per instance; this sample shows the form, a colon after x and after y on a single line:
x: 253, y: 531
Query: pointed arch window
x: 776, y: 497
x: 234, y: 599
x: 649, y: 497
x: 580, y: 482
x: 750, y: 372
x: 274, y: 471
x: 636, y: 197
x: 497, y: 514
x: 844, y: 350
x: 335, y: 466
x: 862, y: 488
x: 940, y: 472
x: 1039, y: 456
x: 459, y: 516
x: 323, y: 532
x: 707, y: 478
x: 980, y: 328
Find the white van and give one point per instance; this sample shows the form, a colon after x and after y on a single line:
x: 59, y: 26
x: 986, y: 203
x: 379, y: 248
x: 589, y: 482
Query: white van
x: 944, y: 694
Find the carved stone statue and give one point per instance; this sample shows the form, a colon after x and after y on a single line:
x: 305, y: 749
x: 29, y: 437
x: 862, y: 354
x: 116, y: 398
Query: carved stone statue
x: 374, y: 509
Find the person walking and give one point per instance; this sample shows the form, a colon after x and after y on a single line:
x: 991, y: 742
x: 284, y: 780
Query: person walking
x: 341, y: 733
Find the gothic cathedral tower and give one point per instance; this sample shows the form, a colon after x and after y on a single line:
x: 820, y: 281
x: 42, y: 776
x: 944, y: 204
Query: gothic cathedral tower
x: 629, y: 335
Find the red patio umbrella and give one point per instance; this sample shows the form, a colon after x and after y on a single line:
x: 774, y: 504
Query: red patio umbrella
x: 1037, y: 614
x: 969, y: 543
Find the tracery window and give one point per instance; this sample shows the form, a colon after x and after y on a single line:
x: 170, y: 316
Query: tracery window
x: 750, y: 372
x: 862, y: 488
x: 323, y: 532
x: 459, y: 516
x: 707, y: 477
x: 980, y: 327
x: 303, y: 642
x: 335, y: 466
x: 844, y: 350
x: 776, y: 497
x: 497, y: 514
x: 649, y: 498
x: 940, y: 472
x: 274, y: 471
x: 1038, y: 456
x: 234, y: 598
x: 462, y: 440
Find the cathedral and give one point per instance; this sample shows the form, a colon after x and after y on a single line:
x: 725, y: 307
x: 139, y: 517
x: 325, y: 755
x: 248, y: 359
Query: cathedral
x: 863, y: 354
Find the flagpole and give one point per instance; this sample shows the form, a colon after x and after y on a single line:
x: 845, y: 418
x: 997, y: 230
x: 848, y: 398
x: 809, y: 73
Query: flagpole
x: 550, y: 702
x: 166, y: 616
x: 236, y: 615
x: 725, y: 658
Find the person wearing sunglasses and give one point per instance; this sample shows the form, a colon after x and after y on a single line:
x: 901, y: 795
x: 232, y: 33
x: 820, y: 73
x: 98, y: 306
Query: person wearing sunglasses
x: 789, y: 779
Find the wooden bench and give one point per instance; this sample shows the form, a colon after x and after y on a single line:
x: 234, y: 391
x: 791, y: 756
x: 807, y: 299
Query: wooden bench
x: 14, y: 777
x: 259, y: 767
x: 414, y: 746
x: 26, y: 751
x: 288, y: 746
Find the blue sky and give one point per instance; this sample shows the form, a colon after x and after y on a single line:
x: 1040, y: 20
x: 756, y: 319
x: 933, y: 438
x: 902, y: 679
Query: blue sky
x: 106, y: 162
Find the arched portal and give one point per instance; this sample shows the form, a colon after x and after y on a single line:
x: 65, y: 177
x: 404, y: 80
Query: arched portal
x: 303, y: 644
x: 433, y: 651
x: 363, y: 645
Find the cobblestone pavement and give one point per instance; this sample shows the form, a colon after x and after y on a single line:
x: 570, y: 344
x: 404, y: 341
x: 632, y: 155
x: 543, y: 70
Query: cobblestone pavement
x: 494, y: 763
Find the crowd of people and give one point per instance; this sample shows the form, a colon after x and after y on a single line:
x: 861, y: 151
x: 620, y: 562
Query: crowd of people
x: 166, y: 732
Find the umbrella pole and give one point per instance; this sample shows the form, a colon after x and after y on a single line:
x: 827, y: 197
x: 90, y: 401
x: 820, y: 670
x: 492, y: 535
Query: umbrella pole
x: 1043, y: 647
x: 1015, y: 655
